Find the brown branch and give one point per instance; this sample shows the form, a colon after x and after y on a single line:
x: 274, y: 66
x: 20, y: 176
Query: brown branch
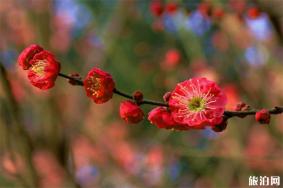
x: 227, y: 114
x: 116, y: 91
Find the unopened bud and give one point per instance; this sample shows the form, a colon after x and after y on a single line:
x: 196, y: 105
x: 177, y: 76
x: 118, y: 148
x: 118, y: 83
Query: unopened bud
x: 138, y: 96
x: 221, y: 126
x: 263, y: 116
x: 76, y: 77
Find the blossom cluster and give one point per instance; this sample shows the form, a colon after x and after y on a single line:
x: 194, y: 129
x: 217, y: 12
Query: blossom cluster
x: 207, y: 9
x: 195, y: 103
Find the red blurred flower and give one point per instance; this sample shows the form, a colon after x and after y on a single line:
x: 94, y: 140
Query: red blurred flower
x: 263, y: 116
x: 99, y: 85
x: 27, y: 54
x: 197, y: 102
x: 205, y: 9
x: 172, y: 58
x: 131, y: 112
x: 156, y: 8
x: 162, y: 118
x: 238, y: 5
x: 232, y: 93
x: 49, y: 170
x: 12, y: 163
x: 217, y: 13
x: 125, y: 155
x: 253, y: 12
x: 171, y: 7
x: 84, y: 152
x: 43, y: 70
x: 155, y: 157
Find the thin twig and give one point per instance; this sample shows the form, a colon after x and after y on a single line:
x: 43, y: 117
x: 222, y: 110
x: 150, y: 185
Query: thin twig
x: 116, y: 91
x: 77, y: 81
x: 227, y: 114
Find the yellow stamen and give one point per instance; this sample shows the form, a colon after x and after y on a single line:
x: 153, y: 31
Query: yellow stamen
x: 197, y: 104
x: 94, y: 84
x: 39, y: 67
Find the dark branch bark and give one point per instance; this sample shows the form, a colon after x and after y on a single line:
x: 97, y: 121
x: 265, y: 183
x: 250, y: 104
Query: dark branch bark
x: 227, y: 114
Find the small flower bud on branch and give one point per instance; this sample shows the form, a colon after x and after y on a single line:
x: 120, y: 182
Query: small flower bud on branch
x: 263, y: 116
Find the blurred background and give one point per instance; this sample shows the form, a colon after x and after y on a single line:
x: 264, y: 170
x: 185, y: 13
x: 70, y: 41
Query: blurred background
x: 60, y: 138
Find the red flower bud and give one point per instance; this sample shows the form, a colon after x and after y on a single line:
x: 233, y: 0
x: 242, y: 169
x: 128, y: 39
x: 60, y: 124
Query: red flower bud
x: 218, y: 13
x: 242, y: 107
x: 253, y: 12
x: 43, y: 70
x: 162, y: 118
x: 205, y: 9
x: 172, y: 58
x: 75, y: 76
x: 221, y: 126
x: 138, y: 96
x: 27, y: 54
x: 263, y: 116
x: 171, y: 7
x: 156, y: 8
x: 131, y: 112
x: 99, y: 85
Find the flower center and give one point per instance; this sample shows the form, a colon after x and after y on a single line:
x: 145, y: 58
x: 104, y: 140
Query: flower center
x: 38, y: 68
x: 197, y: 104
x: 94, y: 85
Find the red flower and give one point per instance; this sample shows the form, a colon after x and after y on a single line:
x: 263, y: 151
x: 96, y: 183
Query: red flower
x: 43, y: 70
x: 171, y: 7
x: 162, y: 118
x: 156, y: 8
x: 99, y: 85
x: 172, y: 57
x: 204, y: 9
x: 263, y: 116
x: 218, y: 13
x: 131, y: 112
x: 238, y: 5
x: 27, y: 55
x: 253, y: 12
x: 197, y: 102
